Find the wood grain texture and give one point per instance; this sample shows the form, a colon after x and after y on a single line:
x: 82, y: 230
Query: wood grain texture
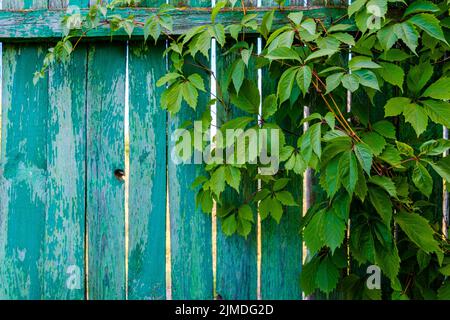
x: 236, y: 256
x: 40, y: 24
x: 191, y: 247
x: 147, y: 177
x: 281, y: 244
x: 105, y: 154
x: 66, y: 170
x: 22, y: 168
x: 23, y: 174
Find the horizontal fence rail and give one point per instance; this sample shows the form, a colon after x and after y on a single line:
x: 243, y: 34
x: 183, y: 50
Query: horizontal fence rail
x: 38, y: 24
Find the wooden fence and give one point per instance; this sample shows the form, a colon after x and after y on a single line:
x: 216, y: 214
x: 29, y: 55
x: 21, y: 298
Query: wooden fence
x: 69, y: 228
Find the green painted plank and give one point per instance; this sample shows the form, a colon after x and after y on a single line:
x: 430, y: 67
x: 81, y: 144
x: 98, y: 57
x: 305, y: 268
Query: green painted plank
x: 38, y: 24
x: 147, y: 184
x: 23, y: 174
x: 105, y: 155
x: 236, y: 256
x: 190, y: 228
x: 65, y: 219
x: 281, y: 244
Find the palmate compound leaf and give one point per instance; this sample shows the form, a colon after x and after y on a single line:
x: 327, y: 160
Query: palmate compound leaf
x: 418, y: 231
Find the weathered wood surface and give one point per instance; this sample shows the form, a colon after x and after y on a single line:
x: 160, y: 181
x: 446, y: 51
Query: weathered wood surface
x: 65, y: 219
x: 23, y: 170
x: 281, y: 243
x: 191, y: 229
x: 147, y: 176
x: 32, y: 25
x: 105, y: 155
x: 236, y: 256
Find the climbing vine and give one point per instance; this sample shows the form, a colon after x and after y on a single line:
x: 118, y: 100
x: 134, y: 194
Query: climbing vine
x: 378, y: 164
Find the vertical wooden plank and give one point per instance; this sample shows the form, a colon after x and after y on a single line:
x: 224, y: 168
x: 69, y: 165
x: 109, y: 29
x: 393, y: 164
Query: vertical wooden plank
x: 22, y: 167
x: 281, y: 244
x: 105, y: 155
x: 147, y: 176
x: 64, y: 266
x: 65, y: 219
x: 236, y: 255
x: 23, y: 174
x: 191, y: 247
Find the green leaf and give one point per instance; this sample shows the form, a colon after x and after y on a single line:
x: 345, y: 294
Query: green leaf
x: 430, y: 24
x: 344, y: 38
x: 296, y: 17
x: 408, y: 34
x: 418, y: 76
x: 367, y: 78
x: 219, y: 6
x: 333, y: 81
x: 329, y: 180
x: 168, y: 77
x: 435, y: 147
x: 387, y: 37
x: 190, y: 94
x: 245, y: 212
x: 333, y: 230
x: 396, y: 106
x: 418, y: 231
x: 438, y: 111
x: 420, y: 6
x: 356, y: 6
x: 385, y: 183
x: 392, y: 74
x: 320, y: 53
x: 283, y: 53
x: 266, y: 24
x: 417, y: 117
x: 404, y: 148
x: 308, y: 276
x: 229, y: 225
x: 442, y: 167
x: 362, y: 62
x: 171, y: 98
x: 375, y: 141
x: 444, y: 291
x: 439, y: 90
x: 364, y: 155
x: 269, y: 106
x: 280, y: 184
x: 422, y: 179
x: 350, y: 82
x: 348, y: 171
x: 286, y: 198
x: 384, y: 128
x: 217, y: 182
x: 238, y: 74
x: 197, y: 81
x: 248, y: 99
x: 313, y: 232
x: 285, y: 84
x: 445, y: 270
x: 382, y: 204
x: 233, y: 177
x: 327, y: 275
x: 316, y: 138
x: 303, y: 78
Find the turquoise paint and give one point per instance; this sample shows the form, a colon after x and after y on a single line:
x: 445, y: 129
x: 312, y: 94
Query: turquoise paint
x: 24, y: 171
x: 236, y: 256
x: 147, y: 184
x: 66, y: 154
x: 191, y: 248
x: 105, y: 154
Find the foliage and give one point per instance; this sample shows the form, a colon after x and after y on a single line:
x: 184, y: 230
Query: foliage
x: 370, y: 170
